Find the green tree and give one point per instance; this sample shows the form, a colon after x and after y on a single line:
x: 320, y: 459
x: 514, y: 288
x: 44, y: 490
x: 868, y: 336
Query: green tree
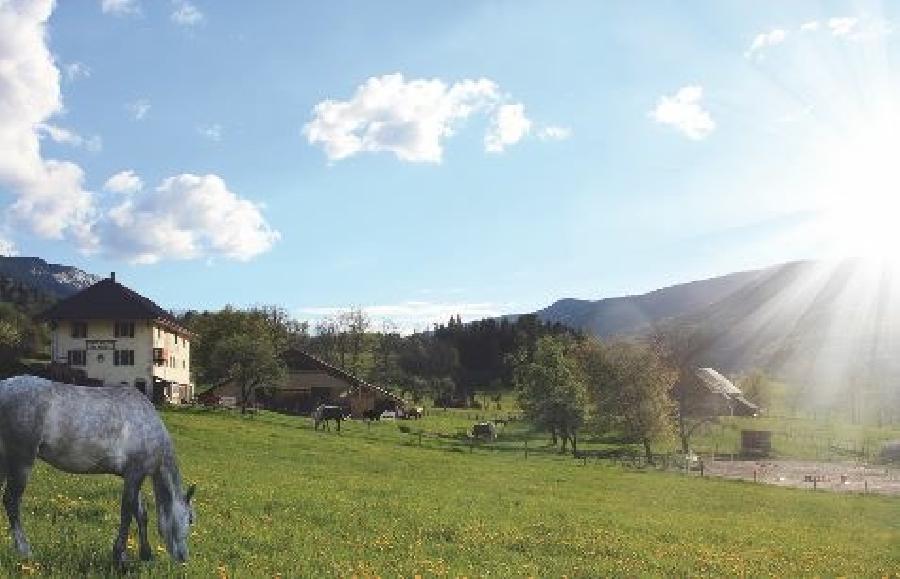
x: 248, y: 361
x: 631, y: 386
x: 757, y: 389
x: 551, y: 389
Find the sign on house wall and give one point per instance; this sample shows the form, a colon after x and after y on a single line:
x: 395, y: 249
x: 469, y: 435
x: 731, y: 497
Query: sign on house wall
x: 100, y: 344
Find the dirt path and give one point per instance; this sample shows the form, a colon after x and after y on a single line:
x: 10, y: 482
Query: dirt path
x: 833, y: 476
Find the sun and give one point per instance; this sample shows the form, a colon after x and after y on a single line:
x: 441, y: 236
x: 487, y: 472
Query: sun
x: 860, y: 193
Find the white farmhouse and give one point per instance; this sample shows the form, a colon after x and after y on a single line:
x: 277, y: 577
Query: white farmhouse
x: 118, y: 337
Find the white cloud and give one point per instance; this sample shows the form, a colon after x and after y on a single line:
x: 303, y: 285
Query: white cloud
x: 185, y: 13
x: 810, y: 26
x: 761, y: 41
x: 554, y: 133
x: 508, y: 127
x: 412, y: 316
x: 124, y: 182
x: 67, y: 137
x: 212, y: 132
x: 684, y: 112
x: 48, y: 197
x: 411, y: 118
x: 138, y: 109
x: 842, y: 26
x: 76, y: 70
x: 120, y: 7
x: 186, y: 217
x: 7, y: 248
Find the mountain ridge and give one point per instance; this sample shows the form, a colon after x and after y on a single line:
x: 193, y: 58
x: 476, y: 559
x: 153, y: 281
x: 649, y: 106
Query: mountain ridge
x: 56, y: 280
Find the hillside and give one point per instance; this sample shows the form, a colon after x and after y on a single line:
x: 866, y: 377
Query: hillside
x: 808, y: 321
x: 55, y: 281
x: 631, y: 314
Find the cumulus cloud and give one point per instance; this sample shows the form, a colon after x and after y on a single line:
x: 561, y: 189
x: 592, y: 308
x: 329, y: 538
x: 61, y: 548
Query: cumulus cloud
x: 124, y: 182
x: 138, y: 109
x: 186, y: 217
x: 842, y: 26
x: 68, y: 137
x: 48, y: 197
x: 508, y: 127
x: 412, y: 316
x: 810, y: 26
x: 684, y: 112
x: 184, y: 13
x: 76, y: 70
x: 212, y: 132
x: 120, y: 7
x: 412, y: 118
x: 554, y: 133
x: 7, y: 248
x: 762, y: 41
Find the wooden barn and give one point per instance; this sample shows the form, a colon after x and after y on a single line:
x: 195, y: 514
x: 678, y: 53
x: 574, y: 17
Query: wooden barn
x: 311, y: 381
x: 721, y: 396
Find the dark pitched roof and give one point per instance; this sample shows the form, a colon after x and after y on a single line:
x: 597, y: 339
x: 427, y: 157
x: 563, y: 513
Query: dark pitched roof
x: 299, y: 361
x: 107, y: 299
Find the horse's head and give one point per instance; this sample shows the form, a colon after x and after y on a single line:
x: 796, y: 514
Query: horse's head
x: 175, y: 525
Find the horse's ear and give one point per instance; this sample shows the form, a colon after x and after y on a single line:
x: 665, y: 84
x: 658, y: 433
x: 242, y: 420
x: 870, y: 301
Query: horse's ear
x: 190, y: 493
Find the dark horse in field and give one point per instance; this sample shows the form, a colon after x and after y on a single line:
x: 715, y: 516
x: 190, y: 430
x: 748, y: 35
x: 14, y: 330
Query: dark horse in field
x: 326, y: 412
x: 91, y: 430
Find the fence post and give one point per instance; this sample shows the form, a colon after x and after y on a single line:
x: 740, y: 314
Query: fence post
x: 526, y: 449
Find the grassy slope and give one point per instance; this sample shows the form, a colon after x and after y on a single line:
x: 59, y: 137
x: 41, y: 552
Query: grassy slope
x: 276, y: 497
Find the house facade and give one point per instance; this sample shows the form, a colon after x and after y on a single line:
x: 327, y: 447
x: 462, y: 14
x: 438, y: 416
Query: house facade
x: 118, y: 337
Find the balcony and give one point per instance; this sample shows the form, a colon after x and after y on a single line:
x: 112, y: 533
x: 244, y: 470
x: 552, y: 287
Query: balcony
x: 160, y: 356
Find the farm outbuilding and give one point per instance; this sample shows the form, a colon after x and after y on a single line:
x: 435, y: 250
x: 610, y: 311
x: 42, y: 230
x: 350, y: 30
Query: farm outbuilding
x: 311, y: 381
x: 723, y: 398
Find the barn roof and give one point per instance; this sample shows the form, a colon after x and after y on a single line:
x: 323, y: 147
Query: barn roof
x: 109, y: 300
x: 299, y: 361
x: 718, y: 384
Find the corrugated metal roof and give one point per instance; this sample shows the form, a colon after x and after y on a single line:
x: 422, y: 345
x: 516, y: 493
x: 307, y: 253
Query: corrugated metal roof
x: 717, y: 383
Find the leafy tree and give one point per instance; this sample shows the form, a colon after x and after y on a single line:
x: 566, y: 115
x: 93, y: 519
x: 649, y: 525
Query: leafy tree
x: 683, y: 349
x: 631, y: 386
x: 757, y: 389
x: 250, y: 362
x: 552, y: 390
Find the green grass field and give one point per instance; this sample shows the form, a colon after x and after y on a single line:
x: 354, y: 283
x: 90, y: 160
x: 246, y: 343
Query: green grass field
x: 275, y: 497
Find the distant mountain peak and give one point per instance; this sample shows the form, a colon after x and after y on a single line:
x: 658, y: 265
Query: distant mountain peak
x: 56, y: 280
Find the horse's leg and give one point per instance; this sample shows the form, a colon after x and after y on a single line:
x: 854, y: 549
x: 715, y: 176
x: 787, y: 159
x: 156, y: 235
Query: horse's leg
x: 16, y: 479
x: 145, y: 552
x: 339, y: 424
x: 130, y: 494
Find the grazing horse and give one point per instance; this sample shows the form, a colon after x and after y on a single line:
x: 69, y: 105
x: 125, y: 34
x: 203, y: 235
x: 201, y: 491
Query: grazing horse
x: 326, y: 412
x: 93, y: 430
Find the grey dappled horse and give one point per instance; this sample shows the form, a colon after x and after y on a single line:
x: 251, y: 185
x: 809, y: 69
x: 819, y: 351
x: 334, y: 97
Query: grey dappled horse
x: 90, y: 430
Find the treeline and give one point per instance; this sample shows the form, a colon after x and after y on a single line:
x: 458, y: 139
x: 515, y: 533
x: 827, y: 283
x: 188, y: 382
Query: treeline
x: 20, y: 336
x: 450, y: 363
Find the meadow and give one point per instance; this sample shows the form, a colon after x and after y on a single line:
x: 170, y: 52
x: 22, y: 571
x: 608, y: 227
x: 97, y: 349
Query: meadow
x: 276, y: 498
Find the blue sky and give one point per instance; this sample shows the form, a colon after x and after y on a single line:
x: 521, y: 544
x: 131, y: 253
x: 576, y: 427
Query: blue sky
x: 423, y: 158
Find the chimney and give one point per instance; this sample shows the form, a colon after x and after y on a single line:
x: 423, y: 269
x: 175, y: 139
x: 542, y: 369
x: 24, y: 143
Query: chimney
x: 112, y: 276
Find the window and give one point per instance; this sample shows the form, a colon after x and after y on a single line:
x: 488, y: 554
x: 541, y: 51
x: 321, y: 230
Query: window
x: 79, y: 329
x: 184, y: 364
x: 77, y: 357
x: 123, y: 357
x: 159, y: 356
x: 124, y: 330
x: 172, y: 362
x: 176, y: 339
